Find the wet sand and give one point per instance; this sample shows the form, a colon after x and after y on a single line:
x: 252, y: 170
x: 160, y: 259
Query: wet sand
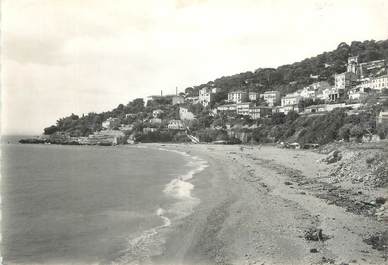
x: 251, y: 213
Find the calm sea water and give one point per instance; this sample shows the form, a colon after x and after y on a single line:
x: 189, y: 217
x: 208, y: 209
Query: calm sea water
x: 91, y: 205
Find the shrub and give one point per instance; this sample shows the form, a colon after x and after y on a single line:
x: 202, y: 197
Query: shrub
x: 344, y: 132
x: 382, y: 131
x: 278, y: 118
x: 356, y: 131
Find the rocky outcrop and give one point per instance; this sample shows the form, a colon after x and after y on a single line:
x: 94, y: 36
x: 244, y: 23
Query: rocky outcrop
x: 107, y: 137
x: 332, y: 157
x: 369, y: 167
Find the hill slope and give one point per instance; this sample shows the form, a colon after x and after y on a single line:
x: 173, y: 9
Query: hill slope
x: 289, y: 78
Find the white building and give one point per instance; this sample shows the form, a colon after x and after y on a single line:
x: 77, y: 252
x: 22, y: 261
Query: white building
x: 335, y: 94
x: 185, y: 114
x: 308, y: 92
x: 324, y: 94
x: 327, y: 107
x: 156, y: 121
x: 320, y: 85
x: 177, y: 100
x: 372, y: 66
x: 352, y: 66
x: 216, y: 90
x: 110, y: 123
x: 238, y: 96
x: 253, y: 96
x: 376, y: 83
x: 383, y: 118
x: 243, y: 108
x: 314, y: 90
x: 156, y: 113
x: 192, y: 100
x: 175, y: 125
x: 205, y: 96
x: 286, y: 109
x: 228, y: 107
x: 291, y: 99
x: 257, y: 112
x: 271, y: 97
x: 345, y: 80
x: 357, y: 93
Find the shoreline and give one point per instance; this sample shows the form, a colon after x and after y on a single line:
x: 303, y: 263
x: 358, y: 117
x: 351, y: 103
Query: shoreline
x: 181, y: 190
x: 248, y: 215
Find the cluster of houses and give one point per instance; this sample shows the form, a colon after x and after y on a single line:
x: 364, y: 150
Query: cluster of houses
x: 351, y: 87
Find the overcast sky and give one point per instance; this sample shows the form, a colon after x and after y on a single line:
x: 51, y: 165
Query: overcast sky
x: 64, y: 56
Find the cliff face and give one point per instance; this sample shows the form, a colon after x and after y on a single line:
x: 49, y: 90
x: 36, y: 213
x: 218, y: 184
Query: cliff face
x: 244, y: 137
x: 107, y: 137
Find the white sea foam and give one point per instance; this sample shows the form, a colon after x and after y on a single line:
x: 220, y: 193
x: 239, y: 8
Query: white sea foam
x: 160, y: 212
x: 141, y: 248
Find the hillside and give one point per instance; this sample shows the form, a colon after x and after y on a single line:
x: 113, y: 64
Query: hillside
x: 289, y: 78
x: 285, y: 78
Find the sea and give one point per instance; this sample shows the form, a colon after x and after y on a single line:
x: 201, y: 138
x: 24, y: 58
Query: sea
x: 91, y: 204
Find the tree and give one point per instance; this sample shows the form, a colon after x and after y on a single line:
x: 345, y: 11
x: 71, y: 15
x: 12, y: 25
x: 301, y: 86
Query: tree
x: 291, y: 116
x: 356, y: 131
x: 136, y: 106
x: 50, y: 130
x: 278, y: 118
x: 382, y: 131
x: 344, y: 132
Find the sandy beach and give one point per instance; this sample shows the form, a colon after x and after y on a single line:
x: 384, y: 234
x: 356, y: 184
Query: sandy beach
x: 257, y: 202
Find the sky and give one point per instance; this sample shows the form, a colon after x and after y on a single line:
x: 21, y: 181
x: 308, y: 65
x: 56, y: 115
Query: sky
x: 79, y: 56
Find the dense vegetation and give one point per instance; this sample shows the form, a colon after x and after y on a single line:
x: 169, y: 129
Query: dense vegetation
x: 289, y: 78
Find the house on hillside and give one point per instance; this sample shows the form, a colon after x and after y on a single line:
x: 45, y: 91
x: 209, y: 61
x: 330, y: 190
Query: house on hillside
x: 177, y: 100
x: 205, y: 96
x: 149, y: 130
x: 336, y: 94
x: 291, y: 99
x: 314, y: 90
x: 257, y: 112
x: 237, y: 96
x: 345, y: 80
x: 227, y: 107
x: 216, y: 90
x: 286, y: 109
x: 382, y: 118
x: 243, y: 108
x: 253, y: 96
x: 185, y: 114
x: 315, y: 108
x: 175, y: 125
x: 157, y: 113
x: 376, y: 83
x: 126, y: 127
x: 192, y: 100
x: 357, y: 93
x: 271, y: 97
x: 319, y: 85
x: 372, y: 67
x: 110, y: 123
x: 289, y: 102
x: 156, y: 121
x: 324, y: 94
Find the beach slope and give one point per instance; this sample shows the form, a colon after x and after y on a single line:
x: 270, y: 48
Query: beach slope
x: 264, y: 205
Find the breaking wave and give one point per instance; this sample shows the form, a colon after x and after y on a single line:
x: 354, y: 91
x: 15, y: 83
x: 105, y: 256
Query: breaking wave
x: 140, y: 249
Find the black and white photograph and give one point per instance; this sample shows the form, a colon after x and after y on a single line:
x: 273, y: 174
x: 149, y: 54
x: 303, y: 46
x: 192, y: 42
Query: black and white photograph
x: 194, y: 132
